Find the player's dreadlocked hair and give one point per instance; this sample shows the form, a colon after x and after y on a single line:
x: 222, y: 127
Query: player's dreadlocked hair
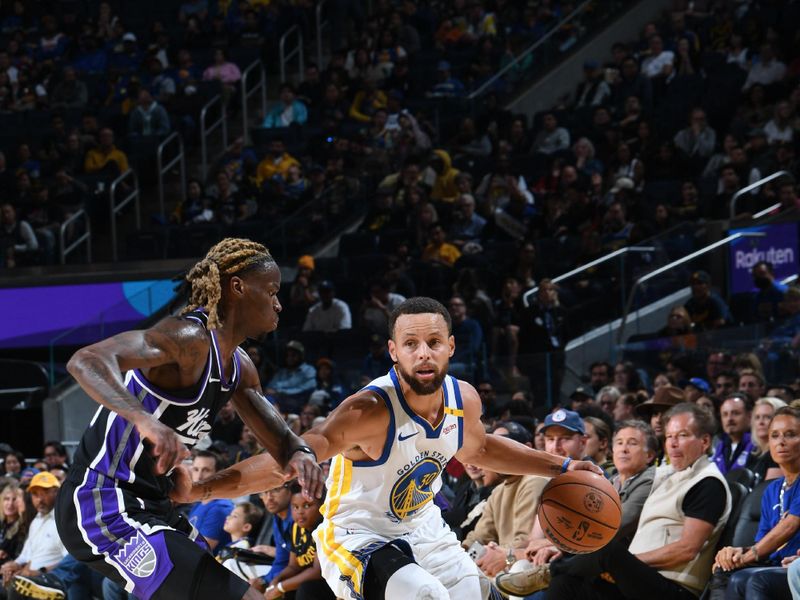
x: 231, y: 256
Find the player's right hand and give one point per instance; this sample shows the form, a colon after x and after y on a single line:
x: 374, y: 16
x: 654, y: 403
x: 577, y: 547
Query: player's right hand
x: 166, y: 448
x: 585, y: 465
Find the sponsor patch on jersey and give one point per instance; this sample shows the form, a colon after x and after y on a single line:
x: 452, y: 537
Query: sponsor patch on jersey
x: 138, y: 556
x: 449, y: 428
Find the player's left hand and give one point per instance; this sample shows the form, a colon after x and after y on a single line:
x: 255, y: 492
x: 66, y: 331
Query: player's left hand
x: 493, y: 561
x: 304, y: 467
x: 585, y: 465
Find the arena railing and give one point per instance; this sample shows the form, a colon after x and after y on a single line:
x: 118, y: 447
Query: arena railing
x: 207, y: 129
x: 675, y: 263
x: 284, y: 57
x: 174, y: 139
x: 526, y: 299
x: 320, y: 26
x: 116, y: 206
x: 64, y: 248
x: 253, y: 73
x: 755, y: 186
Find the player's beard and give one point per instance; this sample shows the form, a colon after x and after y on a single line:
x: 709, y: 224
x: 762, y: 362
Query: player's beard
x: 423, y: 388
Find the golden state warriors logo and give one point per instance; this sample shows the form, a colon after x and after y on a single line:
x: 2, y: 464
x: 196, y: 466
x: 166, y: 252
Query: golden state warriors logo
x: 413, y: 490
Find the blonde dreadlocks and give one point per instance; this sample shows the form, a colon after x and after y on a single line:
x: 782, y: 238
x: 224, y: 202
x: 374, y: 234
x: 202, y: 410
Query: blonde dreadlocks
x: 229, y: 257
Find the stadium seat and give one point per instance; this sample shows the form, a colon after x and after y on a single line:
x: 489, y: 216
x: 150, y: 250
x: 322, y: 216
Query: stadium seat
x: 749, y: 516
x: 744, y: 476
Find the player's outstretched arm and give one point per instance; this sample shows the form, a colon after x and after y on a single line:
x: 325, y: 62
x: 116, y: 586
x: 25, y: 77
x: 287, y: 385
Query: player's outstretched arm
x: 504, y: 455
x: 98, y: 369
x: 272, y: 432
x: 359, y: 423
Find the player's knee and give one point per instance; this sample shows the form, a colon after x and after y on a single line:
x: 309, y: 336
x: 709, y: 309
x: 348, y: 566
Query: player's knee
x: 414, y: 582
x: 432, y: 591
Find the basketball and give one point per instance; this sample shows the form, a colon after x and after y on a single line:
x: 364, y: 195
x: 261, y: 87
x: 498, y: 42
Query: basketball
x: 580, y: 511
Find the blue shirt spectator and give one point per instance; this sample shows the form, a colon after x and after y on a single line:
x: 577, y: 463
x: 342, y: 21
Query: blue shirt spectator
x: 209, y: 519
x: 289, y: 112
x: 293, y: 383
x: 448, y: 86
x: 469, y: 359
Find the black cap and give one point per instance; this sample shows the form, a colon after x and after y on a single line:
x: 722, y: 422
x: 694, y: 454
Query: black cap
x: 325, y: 284
x: 516, y: 431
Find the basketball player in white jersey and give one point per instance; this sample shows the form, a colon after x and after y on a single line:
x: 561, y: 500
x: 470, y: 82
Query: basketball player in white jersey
x: 382, y: 534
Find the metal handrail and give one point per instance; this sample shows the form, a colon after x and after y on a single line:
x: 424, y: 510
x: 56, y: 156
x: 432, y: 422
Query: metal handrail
x: 116, y: 208
x: 206, y: 130
x: 675, y: 263
x: 557, y: 27
x: 751, y: 187
x: 766, y: 211
x: 298, y: 51
x: 163, y: 169
x: 587, y: 266
x: 320, y: 26
x: 63, y: 249
x: 258, y: 67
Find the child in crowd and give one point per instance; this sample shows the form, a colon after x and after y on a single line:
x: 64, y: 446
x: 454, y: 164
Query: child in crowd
x: 239, y: 524
x: 302, y: 577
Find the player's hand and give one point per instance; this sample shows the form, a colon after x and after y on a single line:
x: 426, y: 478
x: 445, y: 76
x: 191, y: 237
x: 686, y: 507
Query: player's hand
x: 585, y: 465
x: 304, y: 468
x: 729, y: 558
x: 182, y: 491
x: 166, y: 449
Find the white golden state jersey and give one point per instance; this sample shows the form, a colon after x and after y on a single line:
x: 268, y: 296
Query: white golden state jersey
x: 394, y: 494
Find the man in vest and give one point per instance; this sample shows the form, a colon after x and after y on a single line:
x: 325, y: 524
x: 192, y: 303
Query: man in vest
x: 671, y: 554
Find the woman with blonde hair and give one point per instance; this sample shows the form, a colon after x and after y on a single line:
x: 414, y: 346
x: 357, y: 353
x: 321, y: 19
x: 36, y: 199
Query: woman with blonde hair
x: 763, y: 411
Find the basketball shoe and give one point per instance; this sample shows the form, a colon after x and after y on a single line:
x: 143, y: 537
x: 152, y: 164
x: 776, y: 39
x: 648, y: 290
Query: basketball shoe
x: 524, y: 583
x: 39, y: 587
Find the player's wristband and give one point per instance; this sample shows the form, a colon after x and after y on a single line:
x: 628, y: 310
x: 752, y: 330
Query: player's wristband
x: 280, y: 587
x: 306, y: 449
x: 565, y: 464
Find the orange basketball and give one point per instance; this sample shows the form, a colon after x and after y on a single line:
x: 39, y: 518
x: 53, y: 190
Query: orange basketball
x: 580, y: 511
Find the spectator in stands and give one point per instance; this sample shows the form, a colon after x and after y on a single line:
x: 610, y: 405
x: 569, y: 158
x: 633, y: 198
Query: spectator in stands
x: 227, y: 426
x: 735, y: 448
x: 447, y: 86
x: 208, y: 516
x: 593, y: 90
x: 223, y: 70
x: 766, y: 70
x: 444, y: 187
x: 781, y: 127
x: 290, y: 111
x: 653, y: 410
x: 698, y: 140
x: 274, y: 538
x: 149, y: 118
x: 625, y: 406
x: 694, y: 505
x: 777, y: 537
x: 626, y: 377
x: 659, y: 62
x: 469, y: 499
x: 607, y: 397
x: 304, y: 294
x: 598, y: 443
x: 678, y: 323
x: 55, y: 454
x: 376, y: 309
x: 18, y: 243
x: 43, y: 549
x: 751, y: 382
x: 466, y: 225
x: 438, y: 250
x: 706, y: 309
x: 294, y: 381
x: 725, y: 383
x: 240, y: 524
x: 13, y: 528
x: 616, y: 227
x: 302, y: 575
x: 469, y: 359
x: 377, y: 362
x: 329, y: 314
x: 632, y: 83
x: 13, y: 464
x: 543, y: 328
x: 600, y: 375
x: 504, y: 526
x: 106, y: 158
x: 551, y: 138
x: 764, y: 467
x: 770, y: 294
x: 276, y: 161
x: 695, y: 388
x: 718, y: 361
x: 329, y: 391
x: 70, y: 92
